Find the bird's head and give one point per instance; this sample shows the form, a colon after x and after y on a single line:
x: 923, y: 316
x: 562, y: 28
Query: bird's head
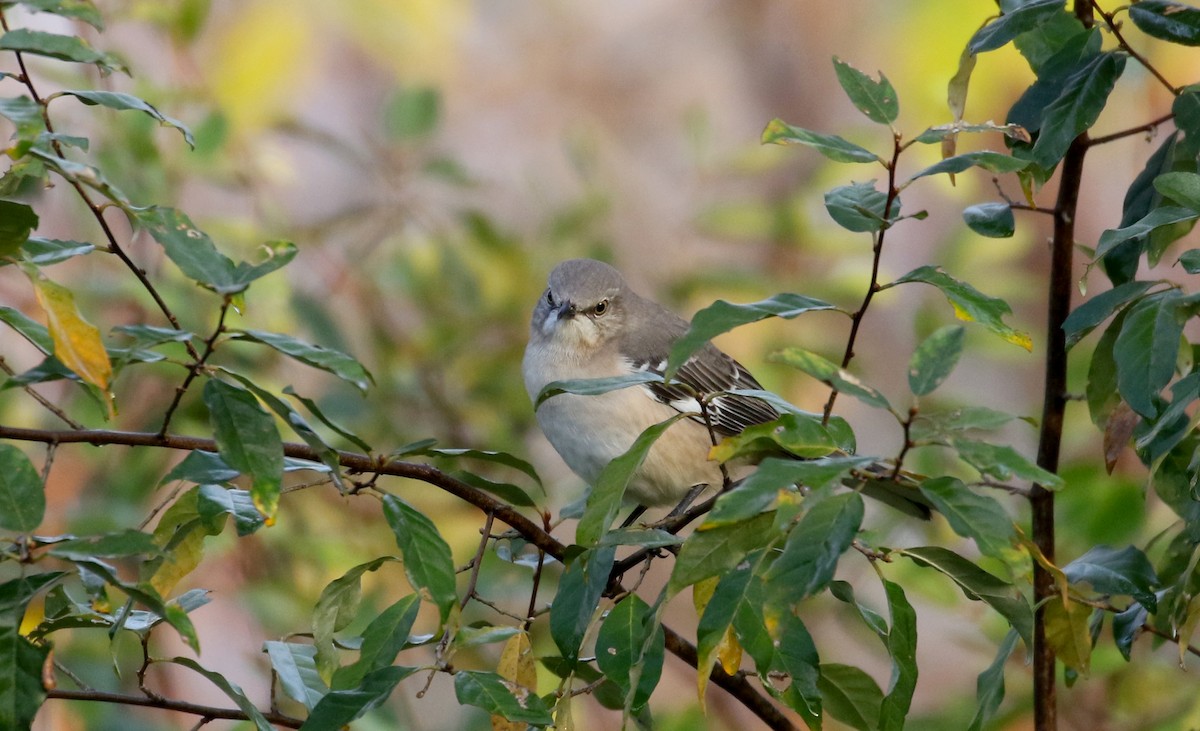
x: 583, y: 305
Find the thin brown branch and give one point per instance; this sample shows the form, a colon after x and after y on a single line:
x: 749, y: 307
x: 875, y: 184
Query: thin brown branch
x: 4, y: 366
x: 1115, y: 27
x: 210, y: 345
x: 873, y: 287
x: 477, y: 561
x: 168, y: 704
x: 1170, y: 638
x: 1147, y: 127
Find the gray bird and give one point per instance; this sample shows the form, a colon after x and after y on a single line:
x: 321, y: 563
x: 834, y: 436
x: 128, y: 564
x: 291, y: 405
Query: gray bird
x: 588, y: 323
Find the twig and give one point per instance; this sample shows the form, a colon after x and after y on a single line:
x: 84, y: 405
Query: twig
x: 1170, y: 638
x: 877, y: 254
x: 168, y: 704
x: 1147, y: 127
x: 477, y: 561
x: 871, y: 554
x: 197, y: 363
x: 1116, y: 31
x: 908, y: 442
x: 28, y: 388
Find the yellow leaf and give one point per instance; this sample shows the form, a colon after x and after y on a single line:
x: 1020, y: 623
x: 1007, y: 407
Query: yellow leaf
x: 1188, y: 628
x: 1067, y: 633
x: 702, y: 592
x: 77, y: 342
x: 563, y: 720
x: 516, y: 665
x: 729, y: 652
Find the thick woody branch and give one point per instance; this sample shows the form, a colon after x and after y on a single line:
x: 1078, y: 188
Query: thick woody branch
x: 167, y: 704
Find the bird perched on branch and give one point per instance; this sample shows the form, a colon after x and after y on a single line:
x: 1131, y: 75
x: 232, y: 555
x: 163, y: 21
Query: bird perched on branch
x: 589, y: 324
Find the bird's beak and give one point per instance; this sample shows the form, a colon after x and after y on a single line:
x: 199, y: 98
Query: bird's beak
x: 567, y: 310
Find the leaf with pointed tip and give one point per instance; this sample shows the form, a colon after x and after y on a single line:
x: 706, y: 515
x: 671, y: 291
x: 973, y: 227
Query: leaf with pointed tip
x: 428, y: 562
x: 800, y: 435
x: 875, y: 99
x: 22, y: 495
x: 191, y: 249
x: 383, y: 639
x: 902, y: 646
x: 579, y: 592
x: 1155, y: 219
x: 327, y: 359
x: 971, y: 514
x: 850, y: 696
x: 721, y: 317
x: 214, y: 500
x: 1003, y: 462
x: 248, y: 441
x: 61, y: 47
x: 1096, y: 310
x: 1008, y: 26
x: 33, y: 331
x: 1083, y: 97
x: 713, y: 550
x: 859, y: 207
x: 44, y: 252
x: 296, y: 667
x: 1146, y: 349
x: 619, y: 650
x: 491, y: 693
x: 17, y: 220
x: 1167, y: 20
x: 994, y: 162
x: 833, y: 147
x: 989, y: 687
x: 759, y: 491
x: 831, y: 375
x: 934, y: 359
x: 336, y: 608
x: 814, y: 546
x: 339, y: 707
x: 1067, y: 632
x: 121, y: 102
x: 595, y: 386
x: 1111, y: 571
x: 969, y: 304
x: 77, y: 342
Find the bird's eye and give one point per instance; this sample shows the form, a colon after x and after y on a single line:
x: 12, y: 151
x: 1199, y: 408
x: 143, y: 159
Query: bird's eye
x: 549, y: 298
x: 601, y: 307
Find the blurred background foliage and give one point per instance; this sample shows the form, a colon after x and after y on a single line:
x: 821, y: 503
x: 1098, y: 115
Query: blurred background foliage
x: 433, y: 159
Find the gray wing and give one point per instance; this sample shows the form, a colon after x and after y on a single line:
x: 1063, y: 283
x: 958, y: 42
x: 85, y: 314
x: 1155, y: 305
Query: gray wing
x: 711, y: 371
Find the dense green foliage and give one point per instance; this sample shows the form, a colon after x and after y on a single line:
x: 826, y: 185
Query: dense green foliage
x: 579, y: 615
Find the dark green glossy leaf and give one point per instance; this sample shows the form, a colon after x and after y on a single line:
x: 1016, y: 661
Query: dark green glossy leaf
x: 1190, y: 260
x: 121, y: 102
x: 340, y: 707
x: 316, y: 411
x: 506, y: 491
x: 1126, y: 626
x: 831, y: 375
x: 844, y: 592
x: 1121, y: 261
x: 1181, y: 187
x: 934, y: 359
x: 35, y: 332
x: 491, y: 693
x: 1145, y: 351
x: 811, y: 553
x: 21, y: 690
x: 995, y: 162
x: 619, y: 650
x: 759, y: 491
x: 143, y: 621
x: 979, y: 585
x: 500, y: 458
x: 1007, y: 27
x: 1097, y: 309
x: 1003, y: 462
x: 214, y: 500
x: 971, y: 514
x: 795, y: 434
x: 989, y: 687
x: 718, y: 614
x: 796, y: 655
x: 850, y: 696
x: 332, y: 361
x: 1101, y: 391
x: 579, y: 592
x: 994, y: 220
x: 296, y: 666
x: 119, y: 544
x: 191, y: 249
x: 53, y: 45
x: 875, y: 99
x: 1168, y: 21
x: 1082, y: 99
x: 1039, y: 44
x: 902, y: 646
x: 1186, y: 109
x: 200, y: 468
x: 711, y: 551
x: 336, y: 608
x: 428, y: 562
x: 22, y: 495
x: 722, y: 316
x: 17, y: 220
x: 1111, y: 571
x: 383, y: 639
x: 1157, y: 218
x: 1173, y: 424
x: 275, y: 255
x: 595, y: 386
x: 859, y: 207
x: 45, y: 252
x: 969, y: 303
x: 248, y: 441
x: 833, y: 147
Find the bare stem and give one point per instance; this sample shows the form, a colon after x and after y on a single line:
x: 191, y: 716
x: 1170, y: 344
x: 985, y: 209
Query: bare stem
x: 1115, y: 27
x: 197, y: 364
x: 4, y: 366
x: 168, y: 704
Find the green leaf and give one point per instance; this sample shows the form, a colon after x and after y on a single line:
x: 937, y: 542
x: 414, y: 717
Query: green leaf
x: 500, y: 458
x: 844, y: 592
x: 275, y: 255
x: 942, y: 132
x: 22, y: 495
x: 505, y: 491
x: 428, y: 562
x: 1190, y: 260
x: 1146, y: 349
x: 493, y: 694
x: 123, y: 543
x: 935, y: 424
x: 1172, y: 425
x: 17, y: 220
x: 1126, y: 626
x: 995, y: 162
x: 1008, y: 26
x: 1168, y: 21
x: 1101, y: 391
x: 21, y: 690
x: 619, y: 650
x: 850, y: 695
x: 1082, y: 99
x: 1181, y: 187
x: 979, y: 585
x: 810, y: 555
x: 759, y: 491
x: 1068, y: 634
x: 231, y: 689
x: 63, y: 48
x: 123, y: 102
x: 296, y: 666
x: 1050, y: 36
x: 579, y: 592
x: 721, y: 317
x: 1096, y: 310
x: 35, y: 332
x: 78, y: 9
x: 595, y: 386
x: 383, y: 639
x: 191, y: 249
x: 1155, y: 219
x: 970, y: 514
x: 934, y: 359
x: 316, y: 411
x: 25, y: 114
x: 248, y: 441
x: 332, y: 361
x: 902, y: 646
x: 795, y: 434
x: 215, y: 500
x: 833, y: 147
x: 641, y: 537
x: 201, y: 468
x: 969, y: 304
x: 604, y: 500
x: 486, y: 635
x: 718, y: 614
x: 875, y: 99
x: 340, y: 707
x: 1111, y: 571
x: 1003, y: 462
x: 989, y: 687
x: 796, y: 655
x: 45, y: 252
x: 1186, y: 109
x: 859, y: 207
x: 711, y: 551
x: 336, y: 608
x: 994, y: 220
x: 831, y: 375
